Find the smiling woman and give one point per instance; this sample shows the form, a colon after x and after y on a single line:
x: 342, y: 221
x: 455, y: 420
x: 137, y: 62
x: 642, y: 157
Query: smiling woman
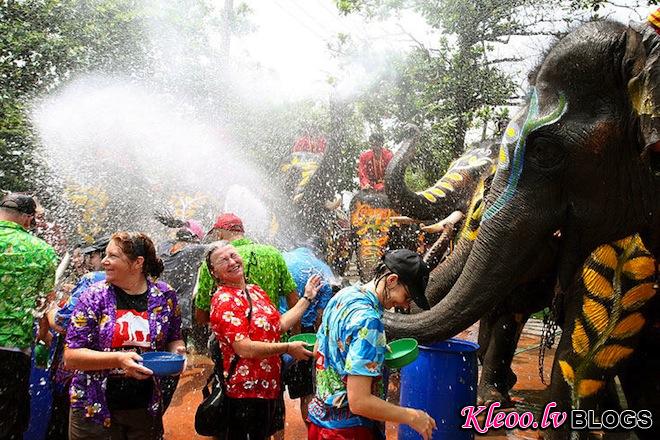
x: 114, y: 321
x: 247, y: 327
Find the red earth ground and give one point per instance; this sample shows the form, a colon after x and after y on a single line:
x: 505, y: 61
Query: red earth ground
x: 528, y: 394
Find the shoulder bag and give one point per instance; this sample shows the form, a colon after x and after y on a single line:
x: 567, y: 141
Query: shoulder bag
x: 211, y: 417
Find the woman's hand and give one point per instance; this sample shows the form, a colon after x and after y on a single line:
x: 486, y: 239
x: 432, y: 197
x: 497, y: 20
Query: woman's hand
x: 128, y: 361
x: 294, y: 315
x: 181, y: 349
x: 298, y: 351
x: 312, y: 287
x: 422, y: 423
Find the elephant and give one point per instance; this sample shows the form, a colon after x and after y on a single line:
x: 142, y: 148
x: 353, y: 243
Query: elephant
x: 580, y: 157
x: 374, y: 227
x: 311, y: 209
x: 462, y: 187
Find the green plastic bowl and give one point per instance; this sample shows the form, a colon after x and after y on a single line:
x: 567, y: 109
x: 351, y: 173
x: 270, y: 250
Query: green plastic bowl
x: 308, y: 338
x: 401, y: 353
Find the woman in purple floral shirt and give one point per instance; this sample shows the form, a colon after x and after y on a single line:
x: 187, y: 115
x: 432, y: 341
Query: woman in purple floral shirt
x: 112, y: 395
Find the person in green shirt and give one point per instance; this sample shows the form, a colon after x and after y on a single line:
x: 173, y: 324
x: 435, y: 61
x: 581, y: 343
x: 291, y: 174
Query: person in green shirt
x: 264, y: 266
x: 27, y: 277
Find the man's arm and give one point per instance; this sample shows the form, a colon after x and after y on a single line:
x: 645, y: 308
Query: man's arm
x: 387, y: 157
x: 42, y: 331
x: 319, y: 318
x: 52, y: 321
x: 325, y: 293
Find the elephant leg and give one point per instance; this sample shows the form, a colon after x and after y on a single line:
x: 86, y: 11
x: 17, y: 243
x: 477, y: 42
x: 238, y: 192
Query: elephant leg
x: 641, y: 382
x: 560, y: 393
x: 497, y: 377
x: 576, y: 383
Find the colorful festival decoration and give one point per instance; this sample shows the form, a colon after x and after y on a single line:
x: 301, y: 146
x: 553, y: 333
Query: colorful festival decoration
x: 617, y: 280
x: 447, y: 184
x: 518, y: 138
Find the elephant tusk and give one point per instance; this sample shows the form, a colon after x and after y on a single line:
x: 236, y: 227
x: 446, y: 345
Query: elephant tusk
x: 403, y: 220
x: 447, y: 223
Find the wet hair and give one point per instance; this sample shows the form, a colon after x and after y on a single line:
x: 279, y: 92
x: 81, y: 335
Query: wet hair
x: 217, y: 245
x: 377, y: 138
x: 138, y: 244
x: 184, y: 234
x: 381, y: 271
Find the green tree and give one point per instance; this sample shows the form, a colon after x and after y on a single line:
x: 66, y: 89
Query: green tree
x: 42, y: 44
x: 459, y: 84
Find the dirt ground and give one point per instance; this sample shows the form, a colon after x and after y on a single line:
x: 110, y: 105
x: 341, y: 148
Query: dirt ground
x: 528, y: 394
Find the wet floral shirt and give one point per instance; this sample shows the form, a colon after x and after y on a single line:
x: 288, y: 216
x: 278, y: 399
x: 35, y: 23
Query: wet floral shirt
x: 254, y: 378
x: 27, y: 275
x: 351, y: 341
x: 264, y: 266
x: 63, y: 315
x: 63, y: 375
x: 92, y: 326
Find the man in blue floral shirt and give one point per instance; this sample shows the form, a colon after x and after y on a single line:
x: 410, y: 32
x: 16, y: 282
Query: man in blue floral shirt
x: 350, y: 353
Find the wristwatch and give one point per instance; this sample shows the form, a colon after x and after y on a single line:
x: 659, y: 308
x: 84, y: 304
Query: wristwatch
x: 307, y: 298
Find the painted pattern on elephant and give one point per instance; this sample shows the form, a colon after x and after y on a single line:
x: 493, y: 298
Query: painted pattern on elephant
x: 301, y: 167
x: 475, y: 211
x: 371, y: 225
x: 515, y: 140
x: 617, y: 281
x: 473, y: 160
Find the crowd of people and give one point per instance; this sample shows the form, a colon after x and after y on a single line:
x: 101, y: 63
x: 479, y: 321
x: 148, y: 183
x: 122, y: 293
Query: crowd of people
x: 216, y: 292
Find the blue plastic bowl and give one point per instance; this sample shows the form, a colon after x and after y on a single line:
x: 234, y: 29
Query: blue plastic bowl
x: 163, y: 363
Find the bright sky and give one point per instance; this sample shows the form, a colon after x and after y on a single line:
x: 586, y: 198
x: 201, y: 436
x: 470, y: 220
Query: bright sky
x: 292, y: 37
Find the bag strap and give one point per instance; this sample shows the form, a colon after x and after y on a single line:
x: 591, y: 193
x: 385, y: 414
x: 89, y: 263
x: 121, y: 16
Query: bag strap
x: 218, y: 361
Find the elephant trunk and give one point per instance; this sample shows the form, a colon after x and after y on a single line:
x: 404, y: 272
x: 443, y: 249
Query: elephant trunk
x: 486, y: 279
x: 444, y: 275
x: 466, y: 303
x: 407, y: 202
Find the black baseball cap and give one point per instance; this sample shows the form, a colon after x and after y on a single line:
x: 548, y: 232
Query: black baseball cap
x: 99, y: 245
x: 412, y: 271
x: 19, y: 202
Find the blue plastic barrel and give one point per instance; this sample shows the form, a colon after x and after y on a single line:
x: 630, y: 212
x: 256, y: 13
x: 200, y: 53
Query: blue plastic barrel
x: 441, y: 381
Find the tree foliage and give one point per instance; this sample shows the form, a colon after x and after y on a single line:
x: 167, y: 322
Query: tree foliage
x: 459, y: 83
x: 43, y: 43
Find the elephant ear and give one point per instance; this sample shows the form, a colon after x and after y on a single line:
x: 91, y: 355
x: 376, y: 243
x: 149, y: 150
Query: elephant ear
x: 641, y: 65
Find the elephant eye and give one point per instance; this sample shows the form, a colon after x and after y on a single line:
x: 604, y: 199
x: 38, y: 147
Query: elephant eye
x: 545, y: 153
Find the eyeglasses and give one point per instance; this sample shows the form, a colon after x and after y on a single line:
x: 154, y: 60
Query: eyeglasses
x: 224, y: 261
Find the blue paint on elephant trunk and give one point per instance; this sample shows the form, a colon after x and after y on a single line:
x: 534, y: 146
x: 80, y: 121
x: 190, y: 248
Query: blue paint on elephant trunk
x: 532, y: 122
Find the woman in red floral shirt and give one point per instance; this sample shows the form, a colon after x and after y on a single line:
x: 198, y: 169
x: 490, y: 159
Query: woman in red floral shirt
x: 256, y: 384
